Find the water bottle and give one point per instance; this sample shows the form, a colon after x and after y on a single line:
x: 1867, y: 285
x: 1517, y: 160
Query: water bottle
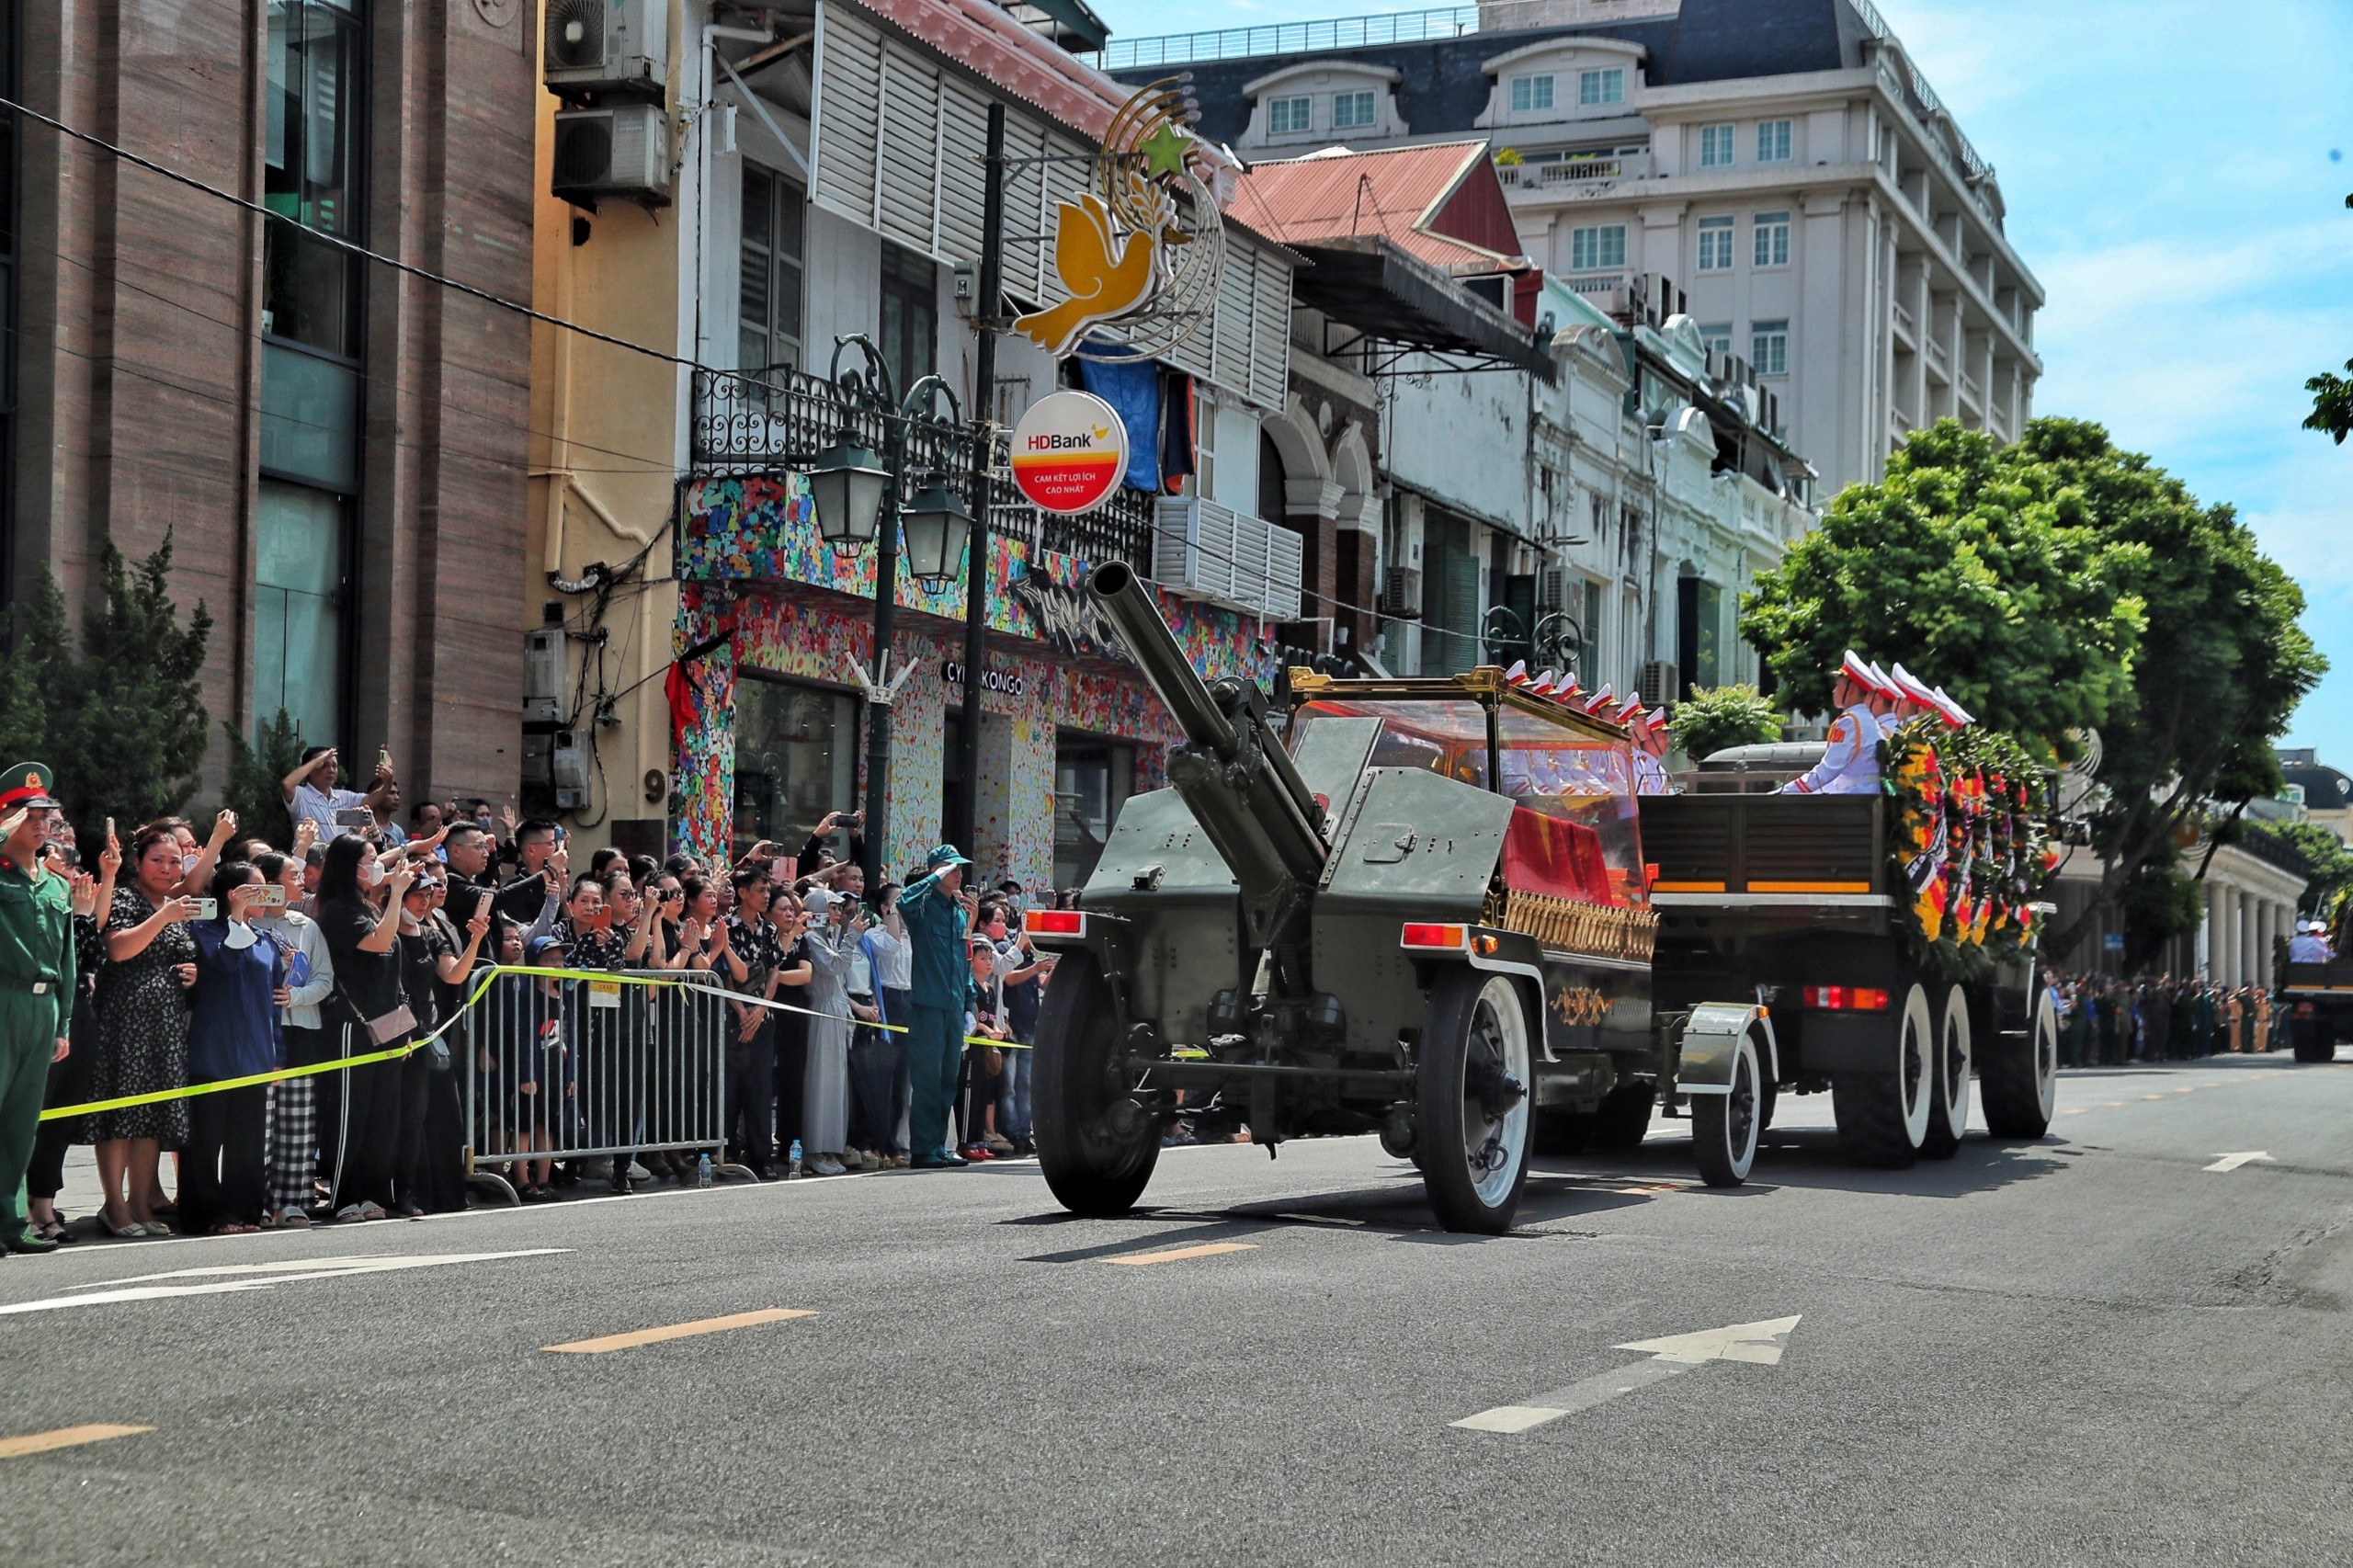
x: 703, y: 1171
x: 793, y: 1165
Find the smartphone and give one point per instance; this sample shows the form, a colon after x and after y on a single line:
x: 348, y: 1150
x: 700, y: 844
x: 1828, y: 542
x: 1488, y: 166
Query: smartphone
x: 208, y: 909
x: 271, y: 896
x: 109, y: 830
x: 355, y: 816
x: 853, y: 819
x: 603, y: 920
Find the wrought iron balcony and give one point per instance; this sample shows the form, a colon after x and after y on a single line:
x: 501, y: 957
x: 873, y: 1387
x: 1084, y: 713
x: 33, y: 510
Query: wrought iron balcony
x: 779, y: 418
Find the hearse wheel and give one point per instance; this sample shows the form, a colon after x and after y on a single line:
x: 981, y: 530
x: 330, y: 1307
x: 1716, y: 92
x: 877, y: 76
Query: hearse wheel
x: 1883, y: 1111
x: 1471, y: 1093
x: 1949, y: 1096
x: 1724, y: 1127
x: 1097, y: 1161
x: 2018, y: 1079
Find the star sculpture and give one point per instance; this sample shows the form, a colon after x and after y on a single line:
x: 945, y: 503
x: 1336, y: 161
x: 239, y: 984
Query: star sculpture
x: 1164, y: 151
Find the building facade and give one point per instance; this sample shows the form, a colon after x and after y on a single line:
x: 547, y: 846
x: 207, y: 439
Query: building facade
x: 1783, y: 162
x: 700, y: 685
x: 333, y: 447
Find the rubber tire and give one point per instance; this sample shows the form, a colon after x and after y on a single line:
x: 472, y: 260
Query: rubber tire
x: 1724, y: 1128
x: 2018, y: 1075
x: 1884, y: 1114
x: 1089, y: 1171
x: 2316, y: 1042
x: 1622, y: 1119
x: 1949, y: 1090
x: 1437, y: 1099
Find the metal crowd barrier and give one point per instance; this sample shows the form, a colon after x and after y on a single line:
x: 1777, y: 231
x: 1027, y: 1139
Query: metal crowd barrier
x: 580, y: 1067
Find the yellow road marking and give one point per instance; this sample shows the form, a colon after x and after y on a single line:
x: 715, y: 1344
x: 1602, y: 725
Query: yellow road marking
x: 2152, y: 1097
x: 2076, y: 1112
x: 2111, y: 1104
x: 1207, y: 1249
x: 63, y: 1438
x: 677, y: 1331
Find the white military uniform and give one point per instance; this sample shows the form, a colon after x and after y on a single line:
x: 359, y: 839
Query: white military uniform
x: 1650, y: 775
x: 1850, y: 766
x: 2308, y: 947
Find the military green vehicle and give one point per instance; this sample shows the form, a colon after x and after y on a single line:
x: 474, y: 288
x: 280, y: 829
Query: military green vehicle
x: 1414, y: 907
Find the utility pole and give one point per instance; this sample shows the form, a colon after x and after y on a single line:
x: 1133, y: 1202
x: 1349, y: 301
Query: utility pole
x: 966, y: 810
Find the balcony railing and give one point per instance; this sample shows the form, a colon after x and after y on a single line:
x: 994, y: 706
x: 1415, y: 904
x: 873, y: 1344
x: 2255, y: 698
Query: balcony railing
x: 781, y: 418
x: 1287, y: 38
x: 1539, y: 175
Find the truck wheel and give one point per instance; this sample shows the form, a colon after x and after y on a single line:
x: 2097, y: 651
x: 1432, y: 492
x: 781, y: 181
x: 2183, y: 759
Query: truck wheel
x: 1624, y: 1118
x: 1883, y: 1112
x: 2019, y: 1077
x: 1724, y: 1127
x: 1090, y: 1169
x: 1948, y: 1097
x: 1471, y: 1099
x: 2316, y: 1040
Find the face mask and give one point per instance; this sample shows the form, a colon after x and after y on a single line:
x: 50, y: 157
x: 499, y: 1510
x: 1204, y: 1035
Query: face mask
x: 371, y: 873
x: 187, y: 864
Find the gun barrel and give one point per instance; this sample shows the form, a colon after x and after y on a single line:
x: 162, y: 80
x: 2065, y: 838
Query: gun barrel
x: 1114, y: 586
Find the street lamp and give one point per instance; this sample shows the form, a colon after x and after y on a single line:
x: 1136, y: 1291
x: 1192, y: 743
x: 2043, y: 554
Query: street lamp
x: 847, y: 485
x: 857, y: 493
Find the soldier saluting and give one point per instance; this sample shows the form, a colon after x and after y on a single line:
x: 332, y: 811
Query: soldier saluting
x: 1850, y: 764
x: 35, y: 985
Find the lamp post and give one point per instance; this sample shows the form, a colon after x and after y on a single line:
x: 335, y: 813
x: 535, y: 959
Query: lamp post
x: 858, y: 492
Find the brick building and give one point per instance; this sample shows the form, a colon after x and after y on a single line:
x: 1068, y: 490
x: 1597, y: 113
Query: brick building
x: 338, y: 447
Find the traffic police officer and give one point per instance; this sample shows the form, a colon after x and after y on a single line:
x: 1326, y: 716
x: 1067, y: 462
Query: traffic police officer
x: 936, y: 925
x: 35, y: 985
x: 1849, y: 765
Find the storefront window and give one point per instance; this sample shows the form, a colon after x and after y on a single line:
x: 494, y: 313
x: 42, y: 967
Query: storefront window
x: 1092, y: 780
x: 796, y: 759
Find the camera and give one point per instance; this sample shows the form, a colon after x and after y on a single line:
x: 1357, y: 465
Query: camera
x: 355, y: 816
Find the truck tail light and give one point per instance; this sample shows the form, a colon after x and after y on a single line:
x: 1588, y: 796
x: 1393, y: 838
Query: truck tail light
x: 1420, y: 937
x: 1055, y: 923
x: 1845, y: 999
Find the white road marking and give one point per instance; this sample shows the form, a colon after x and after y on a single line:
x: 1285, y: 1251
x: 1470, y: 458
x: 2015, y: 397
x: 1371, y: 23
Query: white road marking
x: 253, y: 1277
x: 1759, y: 1344
x: 2233, y: 1162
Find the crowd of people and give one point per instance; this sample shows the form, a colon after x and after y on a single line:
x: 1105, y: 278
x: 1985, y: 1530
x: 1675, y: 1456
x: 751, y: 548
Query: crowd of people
x: 865, y: 1030
x: 2106, y: 1021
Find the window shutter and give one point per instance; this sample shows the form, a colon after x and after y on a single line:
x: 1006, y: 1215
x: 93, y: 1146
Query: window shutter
x: 910, y: 149
x: 1270, y: 334
x: 849, y: 100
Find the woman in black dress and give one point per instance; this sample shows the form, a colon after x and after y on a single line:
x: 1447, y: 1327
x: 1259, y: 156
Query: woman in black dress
x: 363, y: 943
x: 143, y: 1033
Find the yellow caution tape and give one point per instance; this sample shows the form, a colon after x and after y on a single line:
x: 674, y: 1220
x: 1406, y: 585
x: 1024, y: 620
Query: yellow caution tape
x: 599, y: 979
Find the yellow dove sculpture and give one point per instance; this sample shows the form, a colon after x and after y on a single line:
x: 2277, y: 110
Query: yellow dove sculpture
x: 1102, y: 288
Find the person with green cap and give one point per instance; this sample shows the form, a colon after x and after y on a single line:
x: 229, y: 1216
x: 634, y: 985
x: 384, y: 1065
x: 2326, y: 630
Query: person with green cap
x: 35, y: 985
x: 938, y: 919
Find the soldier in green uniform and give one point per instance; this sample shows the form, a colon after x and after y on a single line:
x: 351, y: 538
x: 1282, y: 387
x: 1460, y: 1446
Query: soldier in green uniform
x: 35, y: 985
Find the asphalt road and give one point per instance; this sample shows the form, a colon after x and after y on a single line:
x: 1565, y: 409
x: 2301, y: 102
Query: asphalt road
x: 2089, y: 1350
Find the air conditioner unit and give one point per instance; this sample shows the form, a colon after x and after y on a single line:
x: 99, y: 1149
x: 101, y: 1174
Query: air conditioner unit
x: 547, y: 665
x: 1208, y: 551
x: 1552, y: 589
x: 608, y: 45
x: 621, y: 152
x: 1659, y: 686
x: 1401, y: 593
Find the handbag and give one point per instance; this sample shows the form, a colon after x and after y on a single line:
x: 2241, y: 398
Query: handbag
x: 387, y: 1027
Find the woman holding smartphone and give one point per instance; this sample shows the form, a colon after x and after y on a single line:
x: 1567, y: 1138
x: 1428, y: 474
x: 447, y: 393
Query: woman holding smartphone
x: 143, y: 1033
x: 362, y: 942
x: 232, y: 1033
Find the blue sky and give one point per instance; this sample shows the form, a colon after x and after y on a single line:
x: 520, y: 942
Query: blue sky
x: 2175, y: 172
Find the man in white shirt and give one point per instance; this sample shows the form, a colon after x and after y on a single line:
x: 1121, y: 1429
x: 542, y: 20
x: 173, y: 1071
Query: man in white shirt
x: 1849, y: 765
x: 2310, y: 944
x: 311, y: 793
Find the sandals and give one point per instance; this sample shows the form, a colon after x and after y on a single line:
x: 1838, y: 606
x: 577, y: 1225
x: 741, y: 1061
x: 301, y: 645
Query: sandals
x: 128, y: 1231
x: 55, y: 1231
x: 290, y: 1218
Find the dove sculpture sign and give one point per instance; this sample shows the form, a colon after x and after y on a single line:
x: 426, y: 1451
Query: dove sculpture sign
x: 1068, y: 451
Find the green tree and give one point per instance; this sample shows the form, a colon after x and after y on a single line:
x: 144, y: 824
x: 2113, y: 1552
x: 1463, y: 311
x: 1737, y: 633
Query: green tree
x: 2332, y: 398
x: 130, y: 728
x: 1979, y: 568
x: 255, y: 772
x: 2056, y: 584
x: 2327, y: 862
x: 36, y: 677
x: 1715, y: 717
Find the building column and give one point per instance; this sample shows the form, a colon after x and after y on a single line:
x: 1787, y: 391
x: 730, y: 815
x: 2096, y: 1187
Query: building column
x: 2217, y: 932
x: 2237, y: 918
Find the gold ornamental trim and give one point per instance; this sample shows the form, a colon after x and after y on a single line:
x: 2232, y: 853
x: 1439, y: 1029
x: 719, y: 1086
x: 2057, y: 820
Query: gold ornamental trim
x: 1593, y: 930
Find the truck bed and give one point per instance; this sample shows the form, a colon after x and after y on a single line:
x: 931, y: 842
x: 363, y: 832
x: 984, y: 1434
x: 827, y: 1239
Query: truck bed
x: 1720, y: 852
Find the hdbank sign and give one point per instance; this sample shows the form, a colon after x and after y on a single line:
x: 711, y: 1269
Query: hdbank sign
x: 1068, y: 451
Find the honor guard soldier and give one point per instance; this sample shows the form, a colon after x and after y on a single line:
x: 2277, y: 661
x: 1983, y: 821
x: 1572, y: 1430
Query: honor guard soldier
x: 35, y: 985
x: 1650, y: 753
x: 1850, y: 764
x: 1912, y: 696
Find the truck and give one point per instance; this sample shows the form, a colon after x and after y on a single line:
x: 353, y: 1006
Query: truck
x: 1802, y: 902
x: 2319, y: 999
x: 1417, y: 908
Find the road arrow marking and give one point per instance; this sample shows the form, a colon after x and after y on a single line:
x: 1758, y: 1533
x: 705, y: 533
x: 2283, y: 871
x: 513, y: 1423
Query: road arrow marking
x: 2233, y: 1162
x: 254, y: 1277
x: 1760, y: 1343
